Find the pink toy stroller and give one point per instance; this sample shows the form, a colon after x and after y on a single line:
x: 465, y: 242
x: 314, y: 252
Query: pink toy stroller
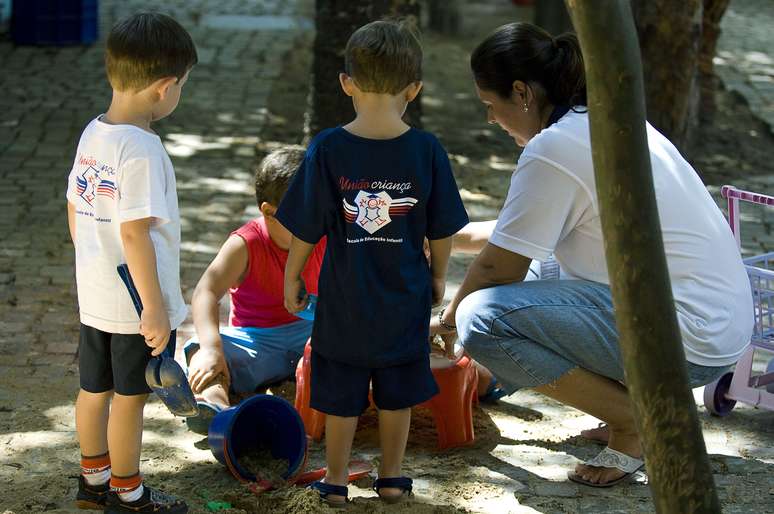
x: 721, y: 396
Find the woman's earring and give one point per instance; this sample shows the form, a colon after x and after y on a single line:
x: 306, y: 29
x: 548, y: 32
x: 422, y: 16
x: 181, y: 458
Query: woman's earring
x: 526, y: 109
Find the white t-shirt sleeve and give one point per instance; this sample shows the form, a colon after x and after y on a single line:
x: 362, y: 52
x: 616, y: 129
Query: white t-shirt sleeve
x: 71, y: 194
x: 543, y: 205
x: 142, y: 190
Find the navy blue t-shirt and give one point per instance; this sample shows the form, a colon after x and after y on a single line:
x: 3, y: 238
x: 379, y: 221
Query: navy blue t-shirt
x: 376, y: 200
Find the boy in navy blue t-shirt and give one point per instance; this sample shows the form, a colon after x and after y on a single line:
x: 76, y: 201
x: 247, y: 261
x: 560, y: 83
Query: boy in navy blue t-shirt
x: 376, y: 187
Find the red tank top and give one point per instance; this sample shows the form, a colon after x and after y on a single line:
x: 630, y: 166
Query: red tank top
x: 259, y: 300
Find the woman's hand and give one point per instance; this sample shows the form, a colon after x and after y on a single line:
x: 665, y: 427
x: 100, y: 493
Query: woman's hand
x: 448, y: 334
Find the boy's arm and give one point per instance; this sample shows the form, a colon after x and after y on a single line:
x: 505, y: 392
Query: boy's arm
x: 225, y: 271
x: 473, y: 236
x: 71, y: 220
x: 141, y: 259
x: 440, y: 249
x: 298, y: 254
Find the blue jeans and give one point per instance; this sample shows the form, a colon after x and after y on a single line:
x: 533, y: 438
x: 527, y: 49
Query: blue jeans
x: 529, y: 334
x: 260, y: 356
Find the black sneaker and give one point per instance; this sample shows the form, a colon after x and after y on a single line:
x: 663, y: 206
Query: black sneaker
x: 91, y: 496
x: 152, y: 500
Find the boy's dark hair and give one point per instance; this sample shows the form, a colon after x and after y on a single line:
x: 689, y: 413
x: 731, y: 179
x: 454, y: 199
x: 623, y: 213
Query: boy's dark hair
x: 146, y: 47
x: 384, y: 56
x: 273, y: 174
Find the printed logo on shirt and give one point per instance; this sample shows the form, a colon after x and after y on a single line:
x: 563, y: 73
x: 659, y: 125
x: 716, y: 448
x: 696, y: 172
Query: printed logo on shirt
x: 372, y: 211
x: 93, y: 182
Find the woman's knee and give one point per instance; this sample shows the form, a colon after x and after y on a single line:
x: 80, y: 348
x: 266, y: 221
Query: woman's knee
x: 474, y: 321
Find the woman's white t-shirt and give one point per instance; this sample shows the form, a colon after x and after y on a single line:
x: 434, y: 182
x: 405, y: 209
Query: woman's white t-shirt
x: 122, y: 173
x: 552, y: 207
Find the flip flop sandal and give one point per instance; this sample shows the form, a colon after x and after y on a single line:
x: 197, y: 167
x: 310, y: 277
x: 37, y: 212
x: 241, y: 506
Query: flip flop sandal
x: 609, y: 458
x: 493, y: 393
x: 325, y: 490
x: 200, y: 424
x: 592, y: 438
x: 405, y: 484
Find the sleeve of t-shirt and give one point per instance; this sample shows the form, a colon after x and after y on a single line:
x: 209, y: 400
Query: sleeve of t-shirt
x: 309, y: 203
x: 71, y: 194
x: 446, y: 213
x: 543, y: 205
x: 142, y: 190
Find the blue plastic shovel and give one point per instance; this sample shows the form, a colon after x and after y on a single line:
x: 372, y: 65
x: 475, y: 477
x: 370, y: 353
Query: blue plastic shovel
x: 163, y: 374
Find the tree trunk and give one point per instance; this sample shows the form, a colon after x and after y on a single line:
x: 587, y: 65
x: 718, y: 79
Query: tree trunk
x: 678, y: 468
x: 444, y: 16
x: 552, y: 15
x: 708, y: 81
x: 335, y: 21
x: 669, y: 34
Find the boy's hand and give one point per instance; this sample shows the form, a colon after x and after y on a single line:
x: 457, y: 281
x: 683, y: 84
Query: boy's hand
x: 439, y: 289
x: 295, y: 295
x: 154, y: 327
x: 207, y: 364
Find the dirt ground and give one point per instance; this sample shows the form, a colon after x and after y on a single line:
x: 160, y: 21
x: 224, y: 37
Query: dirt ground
x: 479, y: 478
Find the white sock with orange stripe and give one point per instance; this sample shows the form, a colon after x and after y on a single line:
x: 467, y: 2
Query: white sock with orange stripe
x: 96, y: 469
x: 129, y: 489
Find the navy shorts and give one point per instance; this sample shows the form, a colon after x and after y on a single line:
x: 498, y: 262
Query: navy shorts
x: 342, y: 390
x: 114, y: 361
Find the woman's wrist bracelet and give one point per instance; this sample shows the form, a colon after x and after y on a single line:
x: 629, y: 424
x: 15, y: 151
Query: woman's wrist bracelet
x: 442, y: 322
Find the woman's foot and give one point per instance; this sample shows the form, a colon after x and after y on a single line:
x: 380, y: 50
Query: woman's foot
x: 624, y: 441
x: 600, y: 434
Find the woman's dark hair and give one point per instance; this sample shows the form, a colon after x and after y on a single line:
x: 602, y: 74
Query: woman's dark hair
x: 522, y: 51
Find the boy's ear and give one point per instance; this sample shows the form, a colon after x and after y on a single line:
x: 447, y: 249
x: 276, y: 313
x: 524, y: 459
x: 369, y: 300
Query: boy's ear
x: 412, y: 90
x: 267, y: 209
x: 161, y: 86
x: 347, y: 84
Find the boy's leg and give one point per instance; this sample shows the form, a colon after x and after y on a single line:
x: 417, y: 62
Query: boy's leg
x: 396, y: 389
x: 339, y: 433
x: 393, y: 435
x: 260, y: 356
x: 91, y: 420
x: 341, y: 392
x: 91, y: 416
x: 124, y: 434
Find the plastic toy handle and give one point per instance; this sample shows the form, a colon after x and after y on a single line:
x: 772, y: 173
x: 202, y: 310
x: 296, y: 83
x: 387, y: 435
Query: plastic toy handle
x: 126, y: 278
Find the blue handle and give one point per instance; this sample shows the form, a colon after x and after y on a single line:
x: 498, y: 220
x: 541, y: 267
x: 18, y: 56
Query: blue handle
x: 126, y: 277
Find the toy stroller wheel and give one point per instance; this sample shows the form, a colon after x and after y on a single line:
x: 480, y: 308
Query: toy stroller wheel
x: 770, y: 369
x: 715, y: 399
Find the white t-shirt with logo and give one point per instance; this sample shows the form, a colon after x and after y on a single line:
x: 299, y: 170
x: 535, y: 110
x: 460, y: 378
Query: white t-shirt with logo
x: 122, y: 173
x: 552, y: 207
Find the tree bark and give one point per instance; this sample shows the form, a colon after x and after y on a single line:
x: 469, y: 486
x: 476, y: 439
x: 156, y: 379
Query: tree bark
x: 552, y: 15
x: 335, y: 21
x: 679, y: 473
x: 444, y: 16
x: 669, y: 35
x: 708, y: 81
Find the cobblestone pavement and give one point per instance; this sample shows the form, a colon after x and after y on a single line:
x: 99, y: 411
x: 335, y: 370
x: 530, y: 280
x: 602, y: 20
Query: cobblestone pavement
x: 745, y: 62
x: 46, y: 97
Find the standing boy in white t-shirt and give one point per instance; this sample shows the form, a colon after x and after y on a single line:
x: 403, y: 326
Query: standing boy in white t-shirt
x: 122, y: 207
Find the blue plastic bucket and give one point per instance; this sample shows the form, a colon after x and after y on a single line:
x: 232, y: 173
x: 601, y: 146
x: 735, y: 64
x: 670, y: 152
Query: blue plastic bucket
x: 259, y: 421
